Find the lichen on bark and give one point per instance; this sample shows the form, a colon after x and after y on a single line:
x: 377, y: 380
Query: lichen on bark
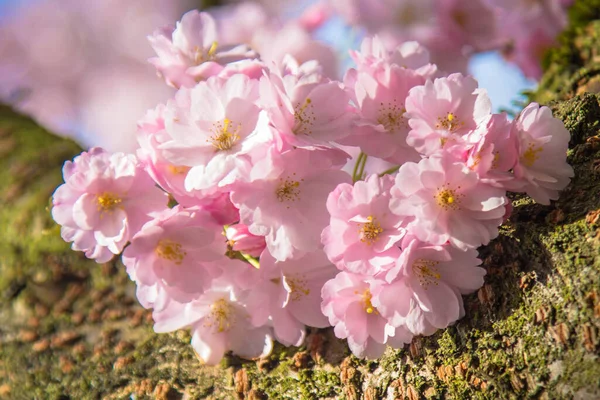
x: 71, y: 328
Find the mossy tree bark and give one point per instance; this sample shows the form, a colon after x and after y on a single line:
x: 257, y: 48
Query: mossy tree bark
x: 70, y: 328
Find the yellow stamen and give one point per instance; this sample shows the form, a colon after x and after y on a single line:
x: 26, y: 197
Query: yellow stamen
x: 391, y: 116
x: 288, y: 190
x: 199, y: 56
x: 170, y: 250
x: 221, y: 316
x: 297, y: 285
x: 531, y: 155
x: 304, y: 118
x: 427, y: 272
x: 449, y: 122
x: 225, y: 138
x: 212, y: 50
x: 366, y: 298
x: 178, y: 169
x: 107, y: 202
x: 370, y: 230
x: 448, y: 199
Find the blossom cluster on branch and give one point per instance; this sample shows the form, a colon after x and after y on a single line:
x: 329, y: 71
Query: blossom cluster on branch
x: 270, y: 232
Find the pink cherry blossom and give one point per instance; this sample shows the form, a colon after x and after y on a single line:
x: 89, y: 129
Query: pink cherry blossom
x: 374, y: 54
x: 382, y: 128
x: 315, y: 16
x: 240, y: 239
x: 284, y: 198
x: 542, y: 146
x: 219, y: 322
x: 151, y: 134
x: 347, y: 302
x: 276, y: 42
x: 211, y: 133
x: 471, y: 23
x: 304, y: 108
x: 190, y: 52
x: 105, y: 200
x: 238, y: 22
x: 443, y: 112
x: 521, y: 15
x: 408, y: 17
x: 527, y: 52
x: 449, y: 203
x: 179, y: 251
x: 495, y: 151
x: 423, y: 290
x: 289, y: 294
x: 363, y: 232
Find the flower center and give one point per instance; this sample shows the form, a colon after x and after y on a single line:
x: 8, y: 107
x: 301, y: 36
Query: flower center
x: 450, y: 123
x: 107, y: 202
x: 304, y: 118
x: 225, y: 137
x: 448, y: 199
x: 198, y: 53
x: 297, y: 285
x: 171, y: 251
x: 370, y: 230
x: 368, y: 306
x: 288, y: 190
x: 427, y: 272
x: 221, y: 316
x: 531, y: 155
x: 178, y: 169
x: 391, y: 116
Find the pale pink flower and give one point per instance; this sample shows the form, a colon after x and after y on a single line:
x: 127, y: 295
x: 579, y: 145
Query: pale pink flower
x: 409, y: 17
x: 240, y: 239
x: 171, y: 177
x: 305, y: 108
x: 549, y: 15
x: 180, y: 251
x: 527, y: 52
x: 275, y: 43
x: 542, y: 147
x: 374, y: 55
x: 467, y: 23
x: 347, y: 302
x: 238, y: 22
x: 289, y: 294
x: 423, y: 290
x: 219, y: 322
x: 210, y: 134
x: 449, y: 203
x: 315, y: 16
x: 285, y: 197
x: 151, y: 134
x: 190, y: 52
x: 495, y: 151
x: 528, y: 29
x: 443, y: 112
x: 105, y: 200
x: 363, y: 232
x: 380, y: 96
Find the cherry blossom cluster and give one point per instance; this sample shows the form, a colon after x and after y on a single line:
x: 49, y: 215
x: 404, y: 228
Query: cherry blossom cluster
x: 239, y: 218
x: 455, y: 29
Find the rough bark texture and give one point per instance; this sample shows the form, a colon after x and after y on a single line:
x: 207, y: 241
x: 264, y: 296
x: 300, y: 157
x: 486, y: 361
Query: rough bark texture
x: 71, y: 329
